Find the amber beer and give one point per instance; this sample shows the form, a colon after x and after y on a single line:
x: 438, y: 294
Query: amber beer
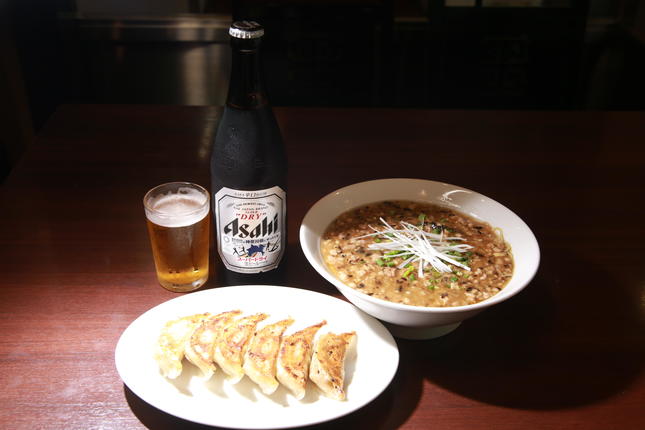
x: 179, y: 227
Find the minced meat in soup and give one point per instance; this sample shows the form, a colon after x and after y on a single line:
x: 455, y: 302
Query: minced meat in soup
x: 485, y: 263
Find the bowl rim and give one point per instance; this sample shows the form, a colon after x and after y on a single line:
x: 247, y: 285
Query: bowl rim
x: 346, y: 290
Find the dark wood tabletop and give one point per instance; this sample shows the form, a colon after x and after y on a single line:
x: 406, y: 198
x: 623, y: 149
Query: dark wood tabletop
x: 567, y: 352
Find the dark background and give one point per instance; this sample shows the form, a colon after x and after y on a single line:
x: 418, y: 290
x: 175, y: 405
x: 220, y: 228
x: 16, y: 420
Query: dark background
x: 436, y: 54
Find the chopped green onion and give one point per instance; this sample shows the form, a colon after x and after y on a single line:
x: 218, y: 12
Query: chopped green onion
x: 415, y: 245
x: 380, y: 262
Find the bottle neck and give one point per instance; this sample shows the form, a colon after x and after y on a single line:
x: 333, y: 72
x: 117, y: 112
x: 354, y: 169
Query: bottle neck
x: 246, y: 89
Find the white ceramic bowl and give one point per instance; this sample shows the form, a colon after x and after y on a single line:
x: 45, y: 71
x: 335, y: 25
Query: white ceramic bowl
x: 414, y: 322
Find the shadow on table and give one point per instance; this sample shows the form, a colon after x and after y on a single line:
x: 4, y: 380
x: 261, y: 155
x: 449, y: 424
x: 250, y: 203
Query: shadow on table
x: 154, y: 418
x: 573, y: 337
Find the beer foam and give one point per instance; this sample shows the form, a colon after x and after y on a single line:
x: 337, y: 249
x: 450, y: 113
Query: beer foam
x: 177, y: 209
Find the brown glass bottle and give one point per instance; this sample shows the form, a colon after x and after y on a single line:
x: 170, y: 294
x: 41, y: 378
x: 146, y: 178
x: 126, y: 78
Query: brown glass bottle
x: 249, y: 171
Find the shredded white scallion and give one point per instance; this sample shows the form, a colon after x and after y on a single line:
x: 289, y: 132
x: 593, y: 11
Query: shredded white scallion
x: 418, y: 246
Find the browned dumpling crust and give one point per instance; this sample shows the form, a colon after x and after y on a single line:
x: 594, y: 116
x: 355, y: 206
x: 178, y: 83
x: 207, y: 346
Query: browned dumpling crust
x: 230, y: 345
x: 262, y: 353
x: 199, y: 347
x: 294, y: 359
x: 171, y: 344
x: 240, y: 346
x: 327, y: 369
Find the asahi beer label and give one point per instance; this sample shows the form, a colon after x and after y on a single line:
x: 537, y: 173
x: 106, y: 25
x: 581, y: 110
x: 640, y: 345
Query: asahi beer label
x: 250, y: 228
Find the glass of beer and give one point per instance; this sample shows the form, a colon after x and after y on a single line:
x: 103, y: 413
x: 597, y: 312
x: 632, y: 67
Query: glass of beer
x: 179, y: 229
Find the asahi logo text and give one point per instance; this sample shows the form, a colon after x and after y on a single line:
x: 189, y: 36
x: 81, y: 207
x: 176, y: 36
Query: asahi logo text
x: 243, y: 230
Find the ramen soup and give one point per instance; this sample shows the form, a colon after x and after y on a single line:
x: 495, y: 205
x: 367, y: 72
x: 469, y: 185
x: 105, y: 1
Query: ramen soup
x: 417, y: 254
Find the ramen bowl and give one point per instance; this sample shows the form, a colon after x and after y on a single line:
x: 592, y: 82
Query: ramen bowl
x: 417, y: 322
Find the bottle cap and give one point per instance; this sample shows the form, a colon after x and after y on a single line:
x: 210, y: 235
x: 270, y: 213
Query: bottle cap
x: 246, y: 30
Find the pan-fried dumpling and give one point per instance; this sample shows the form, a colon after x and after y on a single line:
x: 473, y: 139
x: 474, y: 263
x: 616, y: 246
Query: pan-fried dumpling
x: 199, y: 346
x: 262, y: 353
x: 327, y: 369
x: 169, y: 351
x: 294, y: 357
x: 230, y: 345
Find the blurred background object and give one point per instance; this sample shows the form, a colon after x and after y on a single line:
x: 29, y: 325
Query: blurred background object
x: 439, y: 54
x: 16, y: 130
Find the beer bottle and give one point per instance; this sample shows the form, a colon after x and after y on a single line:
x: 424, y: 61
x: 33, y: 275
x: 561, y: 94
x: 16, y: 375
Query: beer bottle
x: 249, y: 171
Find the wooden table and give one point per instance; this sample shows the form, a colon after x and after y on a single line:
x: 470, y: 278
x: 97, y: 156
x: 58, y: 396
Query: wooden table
x: 568, y: 352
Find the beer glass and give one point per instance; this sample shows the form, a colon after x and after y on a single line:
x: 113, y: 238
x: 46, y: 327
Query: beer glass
x: 179, y: 229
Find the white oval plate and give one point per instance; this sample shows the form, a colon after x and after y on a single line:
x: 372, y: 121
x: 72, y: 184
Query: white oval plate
x: 217, y: 402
